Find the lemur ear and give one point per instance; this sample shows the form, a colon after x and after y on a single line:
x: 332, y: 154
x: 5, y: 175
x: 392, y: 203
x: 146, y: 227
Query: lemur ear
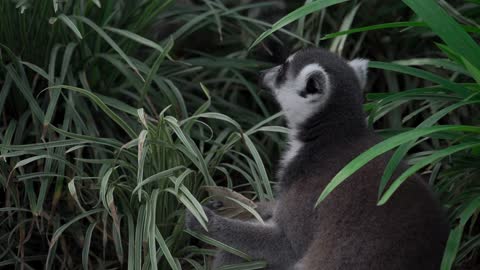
x: 360, y: 66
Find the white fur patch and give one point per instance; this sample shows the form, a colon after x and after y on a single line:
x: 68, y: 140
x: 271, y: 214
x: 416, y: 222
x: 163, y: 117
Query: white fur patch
x: 296, y: 108
x: 360, y: 66
x: 299, y: 266
x: 294, y: 146
x: 290, y: 58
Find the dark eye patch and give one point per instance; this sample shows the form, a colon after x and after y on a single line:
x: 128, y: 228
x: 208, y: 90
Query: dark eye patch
x: 315, y: 85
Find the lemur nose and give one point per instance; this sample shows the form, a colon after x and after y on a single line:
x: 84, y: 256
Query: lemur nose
x: 262, y: 73
x: 261, y: 78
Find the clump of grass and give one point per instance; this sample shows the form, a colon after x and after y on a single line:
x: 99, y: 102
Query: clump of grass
x: 101, y: 154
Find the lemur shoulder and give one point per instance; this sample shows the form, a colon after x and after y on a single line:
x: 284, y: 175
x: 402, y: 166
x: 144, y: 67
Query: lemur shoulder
x: 321, y: 97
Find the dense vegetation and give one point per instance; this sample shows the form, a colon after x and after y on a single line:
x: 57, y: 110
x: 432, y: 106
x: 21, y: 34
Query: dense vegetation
x: 115, y: 113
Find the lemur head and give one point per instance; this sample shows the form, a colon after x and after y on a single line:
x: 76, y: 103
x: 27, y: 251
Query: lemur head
x: 314, y: 81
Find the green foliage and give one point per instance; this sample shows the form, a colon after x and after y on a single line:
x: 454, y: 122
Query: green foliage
x: 116, y: 113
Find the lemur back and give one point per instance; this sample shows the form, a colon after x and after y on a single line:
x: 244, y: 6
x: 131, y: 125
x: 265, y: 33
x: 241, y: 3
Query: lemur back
x: 321, y: 97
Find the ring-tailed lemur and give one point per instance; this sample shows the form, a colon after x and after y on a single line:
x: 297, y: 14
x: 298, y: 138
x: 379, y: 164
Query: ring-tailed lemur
x: 321, y: 96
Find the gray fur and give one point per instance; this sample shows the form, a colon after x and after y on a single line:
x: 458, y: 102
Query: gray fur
x: 347, y: 230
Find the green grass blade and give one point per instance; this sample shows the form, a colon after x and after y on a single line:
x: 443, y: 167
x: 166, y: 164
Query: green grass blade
x: 56, y: 235
x: 70, y: 24
x: 457, y: 88
x: 403, y: 149
x: 95, y: 99
x: 154, y: 70
x: 219, y: 245
x: 383, y: 147
x: 166, y: 251
x: 447, y: 29
x: 111, y: 42
x: 260, y: 166
x: 422, y: 163
x: 295, y: 15
x: 86, y: 245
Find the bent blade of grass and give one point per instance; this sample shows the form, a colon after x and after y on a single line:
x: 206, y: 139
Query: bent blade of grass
x: 7, y: 137
x: 403, y: 149
x: 26, y: 92
x: 139, y: 238
x: 245, y: 266
x: 60, y: 230
x: 455, y: 236
x: 131, y: 239
x: 274, y: 129
x: 56, y: 94
x: 436, y: 62
x: 95, y: 99
x: 97, y: 3
x: 457, y: 88
x: 158, y: 176
x: 422, y: 163
x: 154, y: 70
x: 5, y: 90
x: 262, y: 123
x: 194, y: 153
x: 374, y: 27
x: 41, y: 146
x: 70, y: 24
x: 86, y: 245
x: 295, y: 15
x: 248, y: 208
x: 166, y: 251
x: 37, y: 69
x: 260, y: 166
x: 214, y: 115
x: 451, y: 249
x: 194, y: 201
x: 196, y: 211
x: 447, y: 29
x: 116, y: 232
x: 141, y: 156
x: 474, y: 71
x: 339, y: 42
x: 86, y: 139
x: 382, y: 148
x: 112, y: 43
x: 104, y: 187
x: 219, y: 245
x: 152, y: 226
x: 139, y: 39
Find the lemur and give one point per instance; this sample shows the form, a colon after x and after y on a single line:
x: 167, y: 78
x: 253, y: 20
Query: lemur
x: 321, y: 97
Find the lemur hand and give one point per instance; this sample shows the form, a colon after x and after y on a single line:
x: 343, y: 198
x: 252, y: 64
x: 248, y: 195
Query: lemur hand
x: 192, y: 223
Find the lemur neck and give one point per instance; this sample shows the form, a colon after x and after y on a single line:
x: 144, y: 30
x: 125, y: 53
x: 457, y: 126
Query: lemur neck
x: 335, y: 125
x: 319, y: 136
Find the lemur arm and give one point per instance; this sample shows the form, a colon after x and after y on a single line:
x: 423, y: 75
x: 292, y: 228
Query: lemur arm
x: 260, y: 241
x: 265, y: 209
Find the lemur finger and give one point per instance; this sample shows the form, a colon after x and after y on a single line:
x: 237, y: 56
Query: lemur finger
x: 191, y: 222
x: 214, y: 204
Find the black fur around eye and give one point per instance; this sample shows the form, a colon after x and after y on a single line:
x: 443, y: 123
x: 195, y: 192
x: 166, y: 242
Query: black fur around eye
x: 312, y: 86
x: 315, y: 85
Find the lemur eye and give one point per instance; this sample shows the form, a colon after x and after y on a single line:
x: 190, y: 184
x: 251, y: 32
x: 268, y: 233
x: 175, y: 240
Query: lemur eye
x: 315, y: 85
x: 312, y: 86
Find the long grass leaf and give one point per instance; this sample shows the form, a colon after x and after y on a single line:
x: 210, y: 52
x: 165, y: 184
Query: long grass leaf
x: 383, y: 147
x: 295, y: 15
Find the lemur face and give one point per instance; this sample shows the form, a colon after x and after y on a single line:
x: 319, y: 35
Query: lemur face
x: 304, y: 83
